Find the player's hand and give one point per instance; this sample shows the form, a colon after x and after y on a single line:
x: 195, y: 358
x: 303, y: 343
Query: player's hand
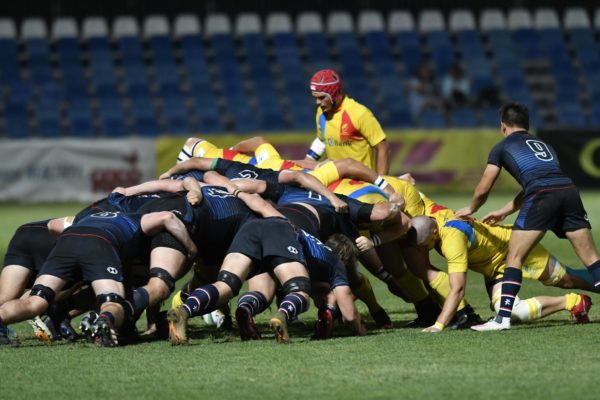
x: 464, y: 212
x: 193, y: 197
x: 493, y: 218
x: 339, y: 205
x: 432, y: 329
x: 407, y: 177
x: 120, y: 190
x: 165, y: 175
x: 364, y: 243
x: 398, y: 200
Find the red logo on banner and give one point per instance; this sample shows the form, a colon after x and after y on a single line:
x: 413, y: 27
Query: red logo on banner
x: 105, y: 180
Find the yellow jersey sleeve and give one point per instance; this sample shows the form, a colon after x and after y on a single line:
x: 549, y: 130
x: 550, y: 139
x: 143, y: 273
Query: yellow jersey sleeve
x: 455, y: 248
x: 370, y: 128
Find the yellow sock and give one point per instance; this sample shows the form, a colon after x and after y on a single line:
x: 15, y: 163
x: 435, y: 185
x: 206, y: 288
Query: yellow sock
x: 176, y: 300
x: 364, y: 292
x: 571, y: 300
x: 441, y: 287
x: 412, y: 286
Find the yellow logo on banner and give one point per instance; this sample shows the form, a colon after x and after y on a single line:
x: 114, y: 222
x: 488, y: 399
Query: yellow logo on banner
x: 586, y: 158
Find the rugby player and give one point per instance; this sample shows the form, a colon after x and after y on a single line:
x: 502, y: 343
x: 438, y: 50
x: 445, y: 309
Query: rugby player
x: 548, y: 201
x: 345, y: 128
x: 483, y: 248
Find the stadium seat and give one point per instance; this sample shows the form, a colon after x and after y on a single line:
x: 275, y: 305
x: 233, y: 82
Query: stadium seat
x: 125, y: 26
x: 492, y: 19
x: 309, y: 22
x: 432, y: 119
x: 576, y: 18
x: 461, y: 20
x: 546, y: 18
x: 48, y: 120
x: 247, y: 23
x: 186, y: 25
x: 463, y: 118
x: 216, y: 24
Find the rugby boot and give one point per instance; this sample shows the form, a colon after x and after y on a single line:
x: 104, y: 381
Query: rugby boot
x: 494, y: 324
x: 86, y: 326
x: 278, y: 325
x: 465, y: 318
x: 105, y: 334
x: 324, y: 325
x: 245, y: 324
x: 4, y: 335
x: 580, y: 313
x: 382, y: 319
x: 177, y: 318
x: 40, y: 329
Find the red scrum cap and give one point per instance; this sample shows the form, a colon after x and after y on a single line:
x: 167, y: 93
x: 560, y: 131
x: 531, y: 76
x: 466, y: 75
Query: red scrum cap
x: 327, y: 82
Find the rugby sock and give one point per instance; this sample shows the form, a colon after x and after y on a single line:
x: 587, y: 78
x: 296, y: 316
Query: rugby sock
x: 292, y: 305
x: 510, y: 287
x: 253, y: 302
x: 202, y: 301
x: 364, y: 292
x: 581, y: 273
x: 109, y: 315
x: 594, y: 269
x: 139, y: 301
x: 571, y: 300
x: 441, y: 286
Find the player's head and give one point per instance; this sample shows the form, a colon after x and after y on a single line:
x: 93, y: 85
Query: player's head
x: 514, y: 116
x: 422, y: 232
x: 343, y: 247
x: 326, y: 88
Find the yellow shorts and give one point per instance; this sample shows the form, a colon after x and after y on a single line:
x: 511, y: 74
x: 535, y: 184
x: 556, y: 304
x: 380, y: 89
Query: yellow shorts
x: 535, y: 264
x: 326, y: 173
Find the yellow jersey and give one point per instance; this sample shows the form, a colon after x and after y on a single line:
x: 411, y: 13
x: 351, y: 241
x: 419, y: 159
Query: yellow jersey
x: 206, y: 149
x: 352, y: 131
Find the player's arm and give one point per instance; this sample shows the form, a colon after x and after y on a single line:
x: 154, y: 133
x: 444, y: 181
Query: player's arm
x: 383, y: 157
x: 350, y: 168
x: 307, y: 164
x: 215, y: 178
x: 155, y: 222
x: 199, y: 163
x: 458, y: 281
x: 490, y: 174
x: 163, y: 185
x: 311, y: 183
x: 350, y: 315
x: 248, y: 146
x: 257, y: 204
x: 496, y: 216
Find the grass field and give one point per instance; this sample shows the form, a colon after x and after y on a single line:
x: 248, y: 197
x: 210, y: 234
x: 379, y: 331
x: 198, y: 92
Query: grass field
x: 548, y: 359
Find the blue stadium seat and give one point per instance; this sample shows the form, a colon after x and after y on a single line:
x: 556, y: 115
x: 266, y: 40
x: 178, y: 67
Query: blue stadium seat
x: 112, y: 119
x: 400, y: 116
x: 176, y: 116
x: 432, y: 119
x: 48, y: 120
x: 571, y: 115
x: 17, y: 121
x: 81, y: 120
x: 464, y: 118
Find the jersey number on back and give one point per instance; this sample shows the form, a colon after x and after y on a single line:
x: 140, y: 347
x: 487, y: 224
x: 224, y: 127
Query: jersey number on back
x: 540, y: 150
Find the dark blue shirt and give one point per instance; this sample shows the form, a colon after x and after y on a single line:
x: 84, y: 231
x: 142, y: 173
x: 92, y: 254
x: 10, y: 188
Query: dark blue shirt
x: 236, y: 170
x: 532, y: 162
x: 322, y: 263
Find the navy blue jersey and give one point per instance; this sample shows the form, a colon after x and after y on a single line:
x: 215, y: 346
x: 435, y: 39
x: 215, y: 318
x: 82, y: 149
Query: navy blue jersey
x: 532, y: 162
x: 322, y: 263
x: 216, y: 221
x: 236, y: 170
x: 286, y: 194
x: 177, y: 203
x: 122, y: 230
x: 194, y: 173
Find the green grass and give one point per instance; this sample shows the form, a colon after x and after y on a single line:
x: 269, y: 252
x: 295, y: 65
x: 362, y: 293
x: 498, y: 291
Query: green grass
x: 548, y: 359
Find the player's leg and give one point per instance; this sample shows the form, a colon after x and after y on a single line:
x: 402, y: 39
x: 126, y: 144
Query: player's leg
x: 585, y: 248
x: 296, y: 289
x: 114, y: 310
x: 207, y: 298
x: 261, y: 290
x: 41, y: 296
x: 520, y: 244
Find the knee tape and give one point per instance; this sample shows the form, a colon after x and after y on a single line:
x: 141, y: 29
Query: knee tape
x: 44, y: 292
x: 558, y: 272
x: 163, y: 275
x: 297, y: 284
x: 232, y: 280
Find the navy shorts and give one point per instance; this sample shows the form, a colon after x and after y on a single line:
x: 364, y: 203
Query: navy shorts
x: 83, y: 255
x: 558, y: 209
x: 30, y: 246
x: 264, y: 240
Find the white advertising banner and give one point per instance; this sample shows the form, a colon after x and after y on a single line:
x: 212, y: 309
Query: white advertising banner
x: 72, y: 169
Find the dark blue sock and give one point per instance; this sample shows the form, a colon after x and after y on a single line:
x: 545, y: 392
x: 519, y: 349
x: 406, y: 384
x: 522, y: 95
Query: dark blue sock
x: 202, y: 300
x: 139, y: 302
x: 594, y: 270
x: 510, y: 287
x: 108, y: 315
x: 581, y: 273
x: 253, y: 302
x: 292, y: 305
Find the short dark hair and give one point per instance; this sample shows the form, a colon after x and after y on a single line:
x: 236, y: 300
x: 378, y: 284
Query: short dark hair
x: 343, y: 246
x: 515, y: 115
